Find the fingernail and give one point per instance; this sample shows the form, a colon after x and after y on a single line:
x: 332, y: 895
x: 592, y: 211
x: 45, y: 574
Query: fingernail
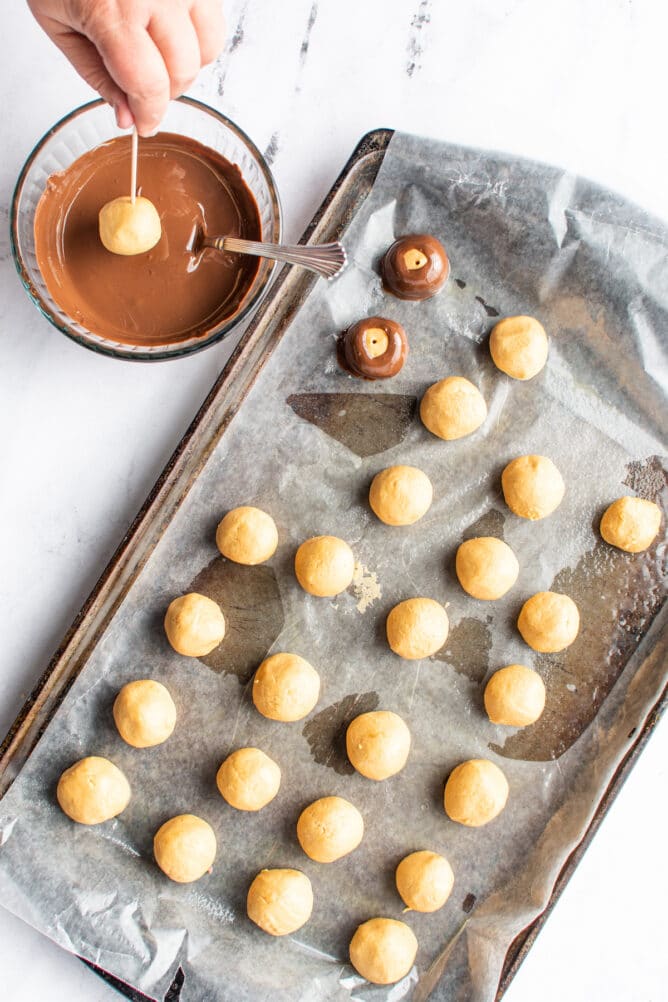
x: 123, y: 117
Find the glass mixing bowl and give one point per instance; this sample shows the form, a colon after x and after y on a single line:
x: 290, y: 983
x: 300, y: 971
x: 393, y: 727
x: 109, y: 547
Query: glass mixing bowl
x: 87, y: 127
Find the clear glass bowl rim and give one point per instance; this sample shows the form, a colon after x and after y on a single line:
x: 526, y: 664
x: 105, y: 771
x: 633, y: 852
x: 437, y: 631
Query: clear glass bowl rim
x: 161, y: 353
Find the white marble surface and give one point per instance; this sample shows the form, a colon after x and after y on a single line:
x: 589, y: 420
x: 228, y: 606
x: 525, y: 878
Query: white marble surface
x: 580, y: 83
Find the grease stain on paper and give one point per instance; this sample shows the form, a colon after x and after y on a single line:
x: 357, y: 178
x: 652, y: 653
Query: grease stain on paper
x: 251, y: 603
x: 366, y: 423
x: 619, y: 594
x: 466, y: 637
x: 326, y: 731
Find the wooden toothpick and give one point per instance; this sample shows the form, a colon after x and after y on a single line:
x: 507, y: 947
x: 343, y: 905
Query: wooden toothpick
x: 135, y: 153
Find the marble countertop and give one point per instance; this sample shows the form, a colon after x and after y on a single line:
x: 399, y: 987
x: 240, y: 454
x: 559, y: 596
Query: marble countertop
x: 580, y: 84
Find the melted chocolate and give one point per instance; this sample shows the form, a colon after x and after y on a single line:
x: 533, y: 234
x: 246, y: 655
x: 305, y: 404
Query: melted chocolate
x: 415, y: 267
x: 373, y: 348
x: 168, y: 294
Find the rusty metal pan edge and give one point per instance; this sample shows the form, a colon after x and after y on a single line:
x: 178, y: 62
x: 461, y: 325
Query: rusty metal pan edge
x: 254, y: 348
x: 521, y: 945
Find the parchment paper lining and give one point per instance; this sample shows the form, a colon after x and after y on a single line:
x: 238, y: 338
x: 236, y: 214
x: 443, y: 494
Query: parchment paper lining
x: 523, y: 238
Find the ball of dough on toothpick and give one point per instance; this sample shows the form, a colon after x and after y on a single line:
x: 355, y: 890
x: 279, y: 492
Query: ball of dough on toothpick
x: 400, y: 495
x: 128, y: 227
x: 93, y: 790
x: 383, y: 950
x: 417, y: 628
x: 286, y: 687
x: 248, y: 779
x: 631, y: 524
x: 515, y: 696
x: 549, y: 622
x: 475, y: 793
x: 280, y: 901
x: 185, y: 848
x: 247, y: 535
x: 453, y: 408
x: 324, y: 566
x: 532, y: 487
x: 144, y: 713
x: 378, y: 744
x: 486, y: 567
x: 424, y: 880
x: 194, y: 625
x: 329, y: 828
x: 518, y: 346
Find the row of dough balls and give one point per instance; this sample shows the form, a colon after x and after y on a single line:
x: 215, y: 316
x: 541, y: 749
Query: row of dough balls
x: 486, y: 566
x: 377, y: 742
x: 533, y: 488
x: 280, y: 901
x: 286, y: 687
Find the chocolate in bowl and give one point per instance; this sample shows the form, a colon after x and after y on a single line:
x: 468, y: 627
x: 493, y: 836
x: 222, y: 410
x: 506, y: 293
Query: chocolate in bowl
x: 168, y: 294
x: 92, y: 125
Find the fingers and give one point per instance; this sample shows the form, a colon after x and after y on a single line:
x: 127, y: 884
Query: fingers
x: 175, y: 37
x: 88, y: 63
x: 137, y: 69
x: 134, y: 62
x: 209, y: 23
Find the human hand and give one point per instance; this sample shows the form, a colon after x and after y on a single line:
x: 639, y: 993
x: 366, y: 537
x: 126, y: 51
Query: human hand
x: 137, y: 54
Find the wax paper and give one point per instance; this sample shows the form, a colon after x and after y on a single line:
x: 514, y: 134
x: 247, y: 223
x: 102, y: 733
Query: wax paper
x: 523, y: 239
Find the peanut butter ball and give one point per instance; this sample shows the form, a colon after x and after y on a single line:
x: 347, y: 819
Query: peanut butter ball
x: 417, y: 628
x: 324, y: 566
x: 144, y: 713
x: 93, y: 790
x: 248, y: 779
x: 378, y: 744
x: 549, y: 622
x: 453, y: 408
x: 185, y: 848
x: 247, y: 535
x: 532, y: 487
x: 515, y: 696
x: 329, y: 828
x: 518, y: 346
x: 286, y: 687
x: 280, y: 901
x: 424, y: 881
x: 128, y: 227
x: 475, y: 793
x: 486, y: 567
x: 194, y: 625
x: 631, y: 524
x: 400, y: 495
x: 383, y: 950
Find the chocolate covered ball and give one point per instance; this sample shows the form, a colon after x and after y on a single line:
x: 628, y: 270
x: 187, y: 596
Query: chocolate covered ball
x: 415, y: 267
x: 373, y: 348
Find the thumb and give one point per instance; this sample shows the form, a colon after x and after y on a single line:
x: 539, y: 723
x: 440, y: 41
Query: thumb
x: 88, y: 63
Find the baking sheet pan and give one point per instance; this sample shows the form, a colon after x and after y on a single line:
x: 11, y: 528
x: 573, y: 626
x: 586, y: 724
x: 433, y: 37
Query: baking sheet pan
x: 327, y: 414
